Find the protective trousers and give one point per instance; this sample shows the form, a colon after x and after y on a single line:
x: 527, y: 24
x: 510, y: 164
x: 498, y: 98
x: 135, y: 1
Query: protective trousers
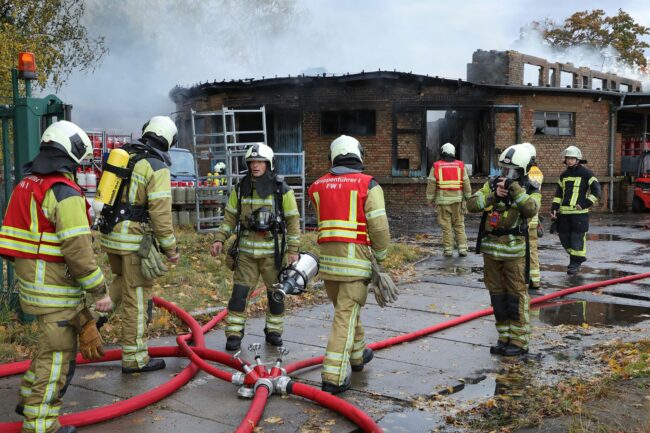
x: 247, y: 273
x: 452, y: 223
x: 347, y: 339
x: 535, y: 274
x: 45, y: 383
x: 506, y: 282
x: 133, y: 291
x: 572, y: 230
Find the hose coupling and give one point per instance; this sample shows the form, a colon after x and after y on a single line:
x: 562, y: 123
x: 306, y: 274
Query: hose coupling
x: 238, y: 378
x: 268, y: 383
x: 281, y: 384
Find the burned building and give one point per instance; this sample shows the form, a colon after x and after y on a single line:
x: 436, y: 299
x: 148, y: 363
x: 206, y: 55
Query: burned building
x: 402, y: 119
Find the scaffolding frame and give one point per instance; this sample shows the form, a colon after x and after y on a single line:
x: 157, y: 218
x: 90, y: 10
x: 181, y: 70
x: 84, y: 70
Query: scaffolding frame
x: 229, y: 145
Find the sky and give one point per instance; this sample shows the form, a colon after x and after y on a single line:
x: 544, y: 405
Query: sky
x: 158, y: 44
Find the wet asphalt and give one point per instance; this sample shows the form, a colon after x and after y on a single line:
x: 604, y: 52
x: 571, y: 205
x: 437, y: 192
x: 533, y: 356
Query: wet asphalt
x: 403, y: 387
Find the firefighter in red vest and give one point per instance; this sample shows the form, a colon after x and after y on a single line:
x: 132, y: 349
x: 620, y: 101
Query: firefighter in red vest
x: 352, y: 227
x: 46, y: 233
x: 448, y: 185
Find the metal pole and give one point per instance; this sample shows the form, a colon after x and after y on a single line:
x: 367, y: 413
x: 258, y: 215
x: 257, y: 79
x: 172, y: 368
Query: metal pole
x: 6, y: 159
x: 612, y: 139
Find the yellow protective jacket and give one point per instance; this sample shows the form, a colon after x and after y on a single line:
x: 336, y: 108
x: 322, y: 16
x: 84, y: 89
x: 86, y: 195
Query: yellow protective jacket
x: 524, y: 204
x: 260, y: 244
x: 343, y: 261
x: 443, y: 197
x: 46, y: 287
x: 150, y: 188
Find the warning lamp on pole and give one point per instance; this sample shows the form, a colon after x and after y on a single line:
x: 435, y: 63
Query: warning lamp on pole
x: 26, y: 66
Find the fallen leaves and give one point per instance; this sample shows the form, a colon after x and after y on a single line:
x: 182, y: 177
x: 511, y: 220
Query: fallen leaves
x: 94, y: 376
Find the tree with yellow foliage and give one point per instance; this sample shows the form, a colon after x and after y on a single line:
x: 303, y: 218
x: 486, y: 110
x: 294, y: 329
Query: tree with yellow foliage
x: 53, y: 31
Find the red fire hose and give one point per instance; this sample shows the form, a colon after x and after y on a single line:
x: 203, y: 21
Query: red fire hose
x: 199, y: 353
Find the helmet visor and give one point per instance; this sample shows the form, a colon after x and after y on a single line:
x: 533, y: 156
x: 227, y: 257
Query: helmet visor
x: 510, y: 172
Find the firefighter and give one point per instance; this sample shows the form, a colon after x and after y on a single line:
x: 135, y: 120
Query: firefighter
x: 577, y: 190
x: 46, y: 233
x: 352, y: 227
x: 535, y: 178
x: 502, y: 240
x: 144, y: 218
x: 263, y: 213
x: 448, y: 185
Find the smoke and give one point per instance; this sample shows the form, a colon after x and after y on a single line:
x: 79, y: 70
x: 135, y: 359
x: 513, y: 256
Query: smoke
x: 158, y: 44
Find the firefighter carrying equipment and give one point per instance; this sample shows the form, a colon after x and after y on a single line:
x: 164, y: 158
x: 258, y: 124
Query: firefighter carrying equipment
x: 261, y: 220
x: 152, y: 263
x: 162, y: 130
x: 121, y: 210
x: 382, y: 284
x: 293, y: 279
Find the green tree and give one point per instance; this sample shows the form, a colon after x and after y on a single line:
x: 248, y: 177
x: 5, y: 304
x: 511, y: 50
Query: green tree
x: 601, y: 31
x: 53, y: 31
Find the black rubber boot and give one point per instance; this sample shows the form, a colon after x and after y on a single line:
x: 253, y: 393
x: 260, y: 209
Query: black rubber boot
x: 498, y: 349
x: 20, y: 409
x: 337, y: 389
x: 273, y: 338
x: 153, y: 365
x: 573, y: 268
x: 512, y: 350
x: 368, y: 354
x: 67, y: 429
x: 233, y: 343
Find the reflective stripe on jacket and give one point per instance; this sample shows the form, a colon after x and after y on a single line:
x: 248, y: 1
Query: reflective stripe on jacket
x: 339, y: 201
x: 449, y: 174
x: 576, y: 186
x: 26, y: 231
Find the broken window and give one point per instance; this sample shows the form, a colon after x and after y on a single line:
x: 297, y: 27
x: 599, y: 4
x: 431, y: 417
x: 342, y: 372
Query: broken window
x: 350, y: 122
x: 553, y: 123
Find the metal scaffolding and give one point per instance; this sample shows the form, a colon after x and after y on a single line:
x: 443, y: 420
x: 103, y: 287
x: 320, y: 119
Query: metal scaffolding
x: 218, y: 136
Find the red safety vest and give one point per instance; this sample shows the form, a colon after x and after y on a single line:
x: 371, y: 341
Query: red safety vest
x: 340, y: 202
x: 449, y: 174
x: 26, y: 232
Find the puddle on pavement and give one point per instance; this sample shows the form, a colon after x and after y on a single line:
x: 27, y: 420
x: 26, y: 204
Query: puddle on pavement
x: 570, y: 312
x: 409, y: 421
x: 607, y: 272
x: 507, y: 383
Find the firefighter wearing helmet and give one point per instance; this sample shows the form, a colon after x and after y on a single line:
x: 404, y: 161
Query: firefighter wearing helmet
x: 263, y: 210
x: 577, y: 190
x: 535, y: 228
x: 135, y: 232
x: 352, y: 231
x: 46, y: 233
x: 447, y: 188
x: 507, y: 203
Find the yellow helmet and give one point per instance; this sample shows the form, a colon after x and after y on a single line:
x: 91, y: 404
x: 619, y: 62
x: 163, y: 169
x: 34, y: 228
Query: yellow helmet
x: 69, y: 138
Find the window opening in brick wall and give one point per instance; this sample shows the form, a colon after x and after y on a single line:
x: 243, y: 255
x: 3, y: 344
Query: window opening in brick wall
x: 553, y: 123
x: 624, y: 87
x: 351, y: 122
x: 532, y: 74
x: 585, y: 82
x: 597, y: 84
x: 566, y: 79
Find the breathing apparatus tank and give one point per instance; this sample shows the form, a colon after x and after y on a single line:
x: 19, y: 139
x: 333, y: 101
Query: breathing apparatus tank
x: 293, y: 279
x: 109, y: 184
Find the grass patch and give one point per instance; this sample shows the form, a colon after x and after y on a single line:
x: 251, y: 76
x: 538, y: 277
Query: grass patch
x: 530, y: 406
x: 198, y: 282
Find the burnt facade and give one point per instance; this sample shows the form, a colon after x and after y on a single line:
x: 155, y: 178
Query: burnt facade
x: 402, y: 119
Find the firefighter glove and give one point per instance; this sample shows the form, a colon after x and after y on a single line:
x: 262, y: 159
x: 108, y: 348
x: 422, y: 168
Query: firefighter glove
x: 152, y: 264
x: 90, y: 342
x: 382, y: 285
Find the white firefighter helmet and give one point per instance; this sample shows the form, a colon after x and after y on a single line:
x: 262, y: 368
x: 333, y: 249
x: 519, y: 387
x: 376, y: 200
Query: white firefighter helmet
x: 531, y: 149
x: 69, y: 138
x: 515, y: 158
x: 449, y: 149
x: 346, y: 145
x: 162, y: 129
x: 220, y: 167
x: 260, y: 152
x: 572, y: 152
